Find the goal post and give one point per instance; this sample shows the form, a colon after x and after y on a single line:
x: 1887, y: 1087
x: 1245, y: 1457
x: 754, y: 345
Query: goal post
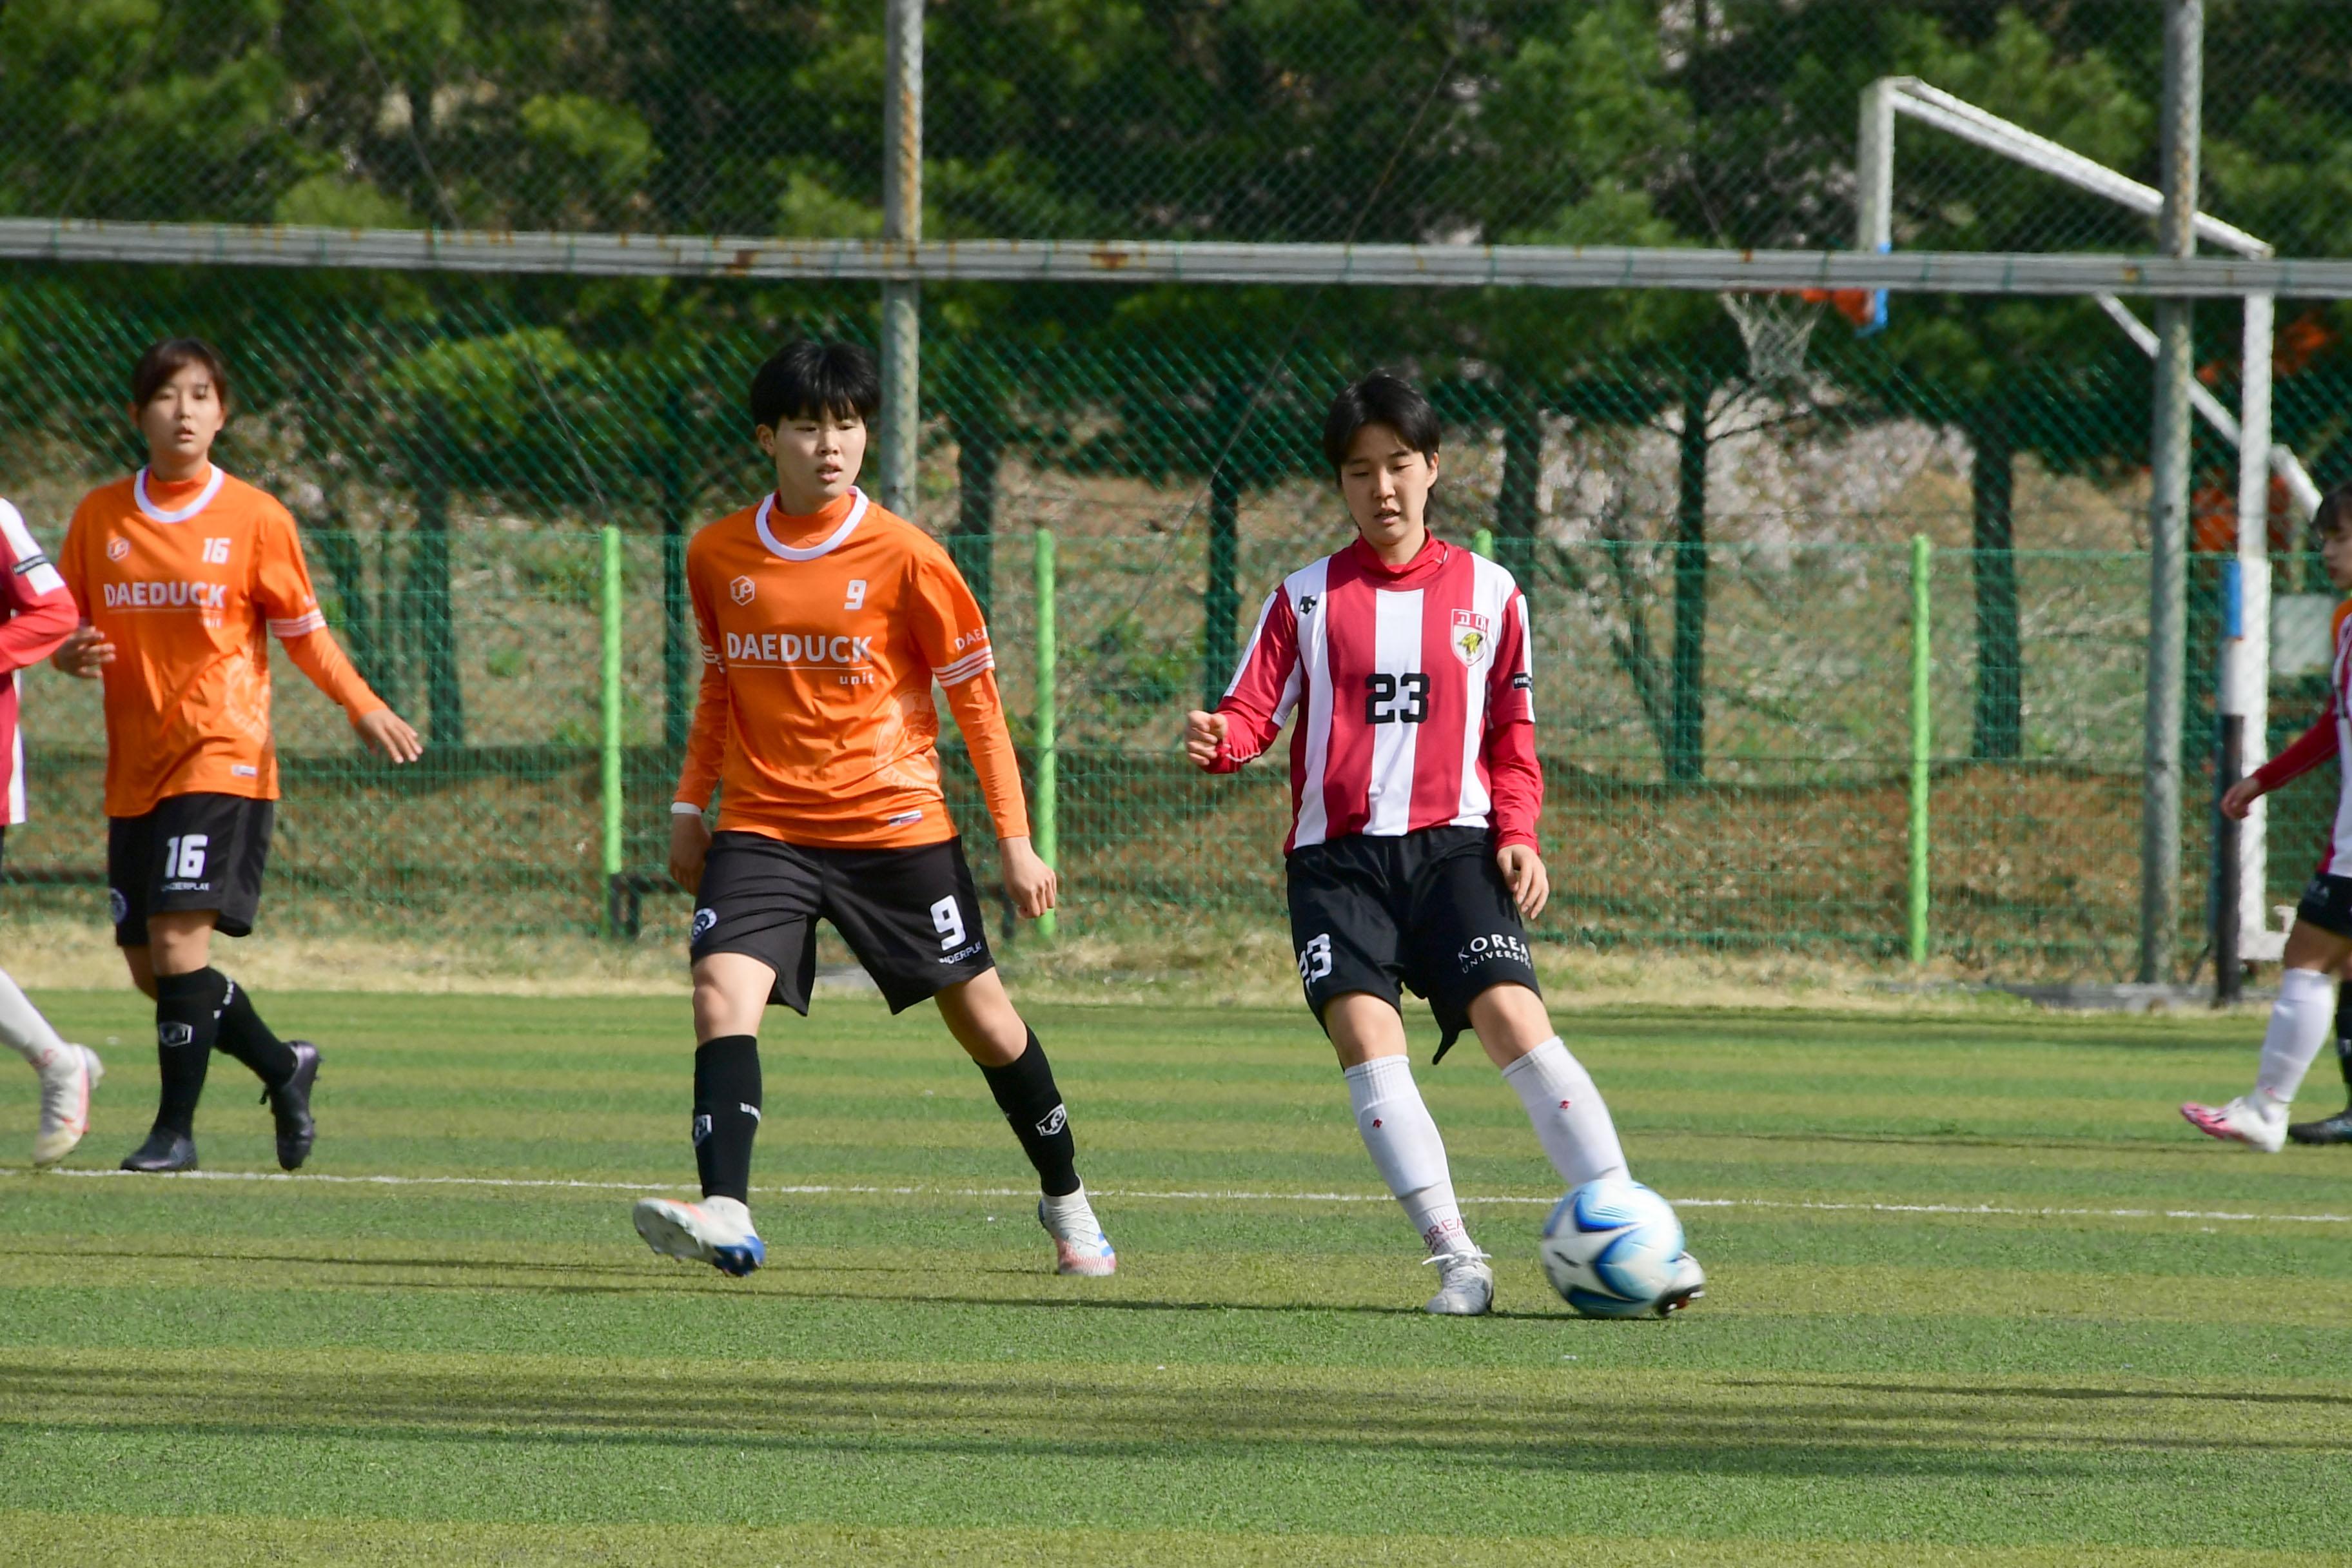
x: 2245, y: 684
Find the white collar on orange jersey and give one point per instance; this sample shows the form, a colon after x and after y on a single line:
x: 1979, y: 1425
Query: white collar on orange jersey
x: 831, y: 543
x: 157, y: 514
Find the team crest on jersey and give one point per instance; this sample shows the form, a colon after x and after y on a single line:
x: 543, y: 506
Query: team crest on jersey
x: 1473, y: 637
x: 741, y: 590
x: 116, y: 548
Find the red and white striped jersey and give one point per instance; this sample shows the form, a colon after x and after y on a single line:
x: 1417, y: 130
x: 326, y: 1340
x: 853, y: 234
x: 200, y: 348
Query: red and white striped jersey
x: 37, y: 614
x: 1414, y: 692
x: 2331, y: 737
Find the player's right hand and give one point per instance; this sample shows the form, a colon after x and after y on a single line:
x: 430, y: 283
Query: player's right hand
x: 689, y: 841
x: 2240, y: 798
x: 85, y: 652
x: 1203, y: 733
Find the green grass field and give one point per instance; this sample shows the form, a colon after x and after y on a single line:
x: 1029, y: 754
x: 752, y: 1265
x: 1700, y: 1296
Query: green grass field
x: 1978, y: 1297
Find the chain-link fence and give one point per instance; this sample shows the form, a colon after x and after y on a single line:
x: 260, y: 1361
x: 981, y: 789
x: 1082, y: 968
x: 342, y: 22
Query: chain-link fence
x: 1720, y: 571
x: 1719, y: 563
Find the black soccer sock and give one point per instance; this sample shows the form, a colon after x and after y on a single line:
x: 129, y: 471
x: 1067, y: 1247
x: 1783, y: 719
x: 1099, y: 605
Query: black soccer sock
x: 1024, y: 1091
x: 187, y: 1026
x: 243, y: 1036
x: 726, y: 1114
x: 2344, y: 1032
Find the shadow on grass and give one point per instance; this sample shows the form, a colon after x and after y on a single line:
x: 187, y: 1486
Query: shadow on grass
x: 1034, y: 1412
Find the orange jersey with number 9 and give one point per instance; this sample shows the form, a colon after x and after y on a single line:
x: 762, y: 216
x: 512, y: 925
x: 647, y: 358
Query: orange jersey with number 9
x: 821, y: 637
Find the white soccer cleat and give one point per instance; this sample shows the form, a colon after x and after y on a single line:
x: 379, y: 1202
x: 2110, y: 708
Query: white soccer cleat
x: 1690, y: 1284
x: 67, y: 1075
x: 717, y: 1231
x: 1079, y: 1244
x: 2237, y: 1122
x: 1465, y: 1286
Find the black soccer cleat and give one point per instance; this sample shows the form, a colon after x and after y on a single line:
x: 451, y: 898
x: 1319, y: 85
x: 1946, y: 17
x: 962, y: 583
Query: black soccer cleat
x: 163, y: 1151
x: 290, y: 1102
x: 2335, y: 1128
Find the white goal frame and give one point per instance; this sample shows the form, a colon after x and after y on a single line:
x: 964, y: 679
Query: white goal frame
x: 2245, y: 659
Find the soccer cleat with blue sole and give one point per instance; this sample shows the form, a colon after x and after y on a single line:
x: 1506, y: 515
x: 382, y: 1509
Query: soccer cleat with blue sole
x: 1080, y: 1247
x: 717, y: 1231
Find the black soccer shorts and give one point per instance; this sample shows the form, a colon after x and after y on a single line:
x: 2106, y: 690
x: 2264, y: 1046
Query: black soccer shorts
x: 192, y: 852
x: 912, y: 916
x: 2327, y: 902
x: 1428, y: 910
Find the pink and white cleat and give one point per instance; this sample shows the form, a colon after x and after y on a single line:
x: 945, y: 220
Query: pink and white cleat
x: 2237, y: 1122
x: 67, y: 1075
x: 1079, y: 1244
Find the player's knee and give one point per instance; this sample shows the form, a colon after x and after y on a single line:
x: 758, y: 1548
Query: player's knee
x: 1511, y: 1020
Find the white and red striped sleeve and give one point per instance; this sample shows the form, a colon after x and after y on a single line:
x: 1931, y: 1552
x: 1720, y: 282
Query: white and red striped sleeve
x: 38, y: 612
x: 1514, y: 775
x: 1265, y: 688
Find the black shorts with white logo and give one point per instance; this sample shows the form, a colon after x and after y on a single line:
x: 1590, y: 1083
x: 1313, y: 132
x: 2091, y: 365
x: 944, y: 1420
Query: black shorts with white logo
x: 1428, y: 910
x: 2327, y: 902
x: 192, y: 852
x: 912, y: 916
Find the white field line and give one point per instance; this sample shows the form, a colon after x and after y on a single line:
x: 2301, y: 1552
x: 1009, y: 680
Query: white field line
x: 1195, y: 1196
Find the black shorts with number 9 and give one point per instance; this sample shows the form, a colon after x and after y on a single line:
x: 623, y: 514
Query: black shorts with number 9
x: 1428, y: 910
x: 912, y: 916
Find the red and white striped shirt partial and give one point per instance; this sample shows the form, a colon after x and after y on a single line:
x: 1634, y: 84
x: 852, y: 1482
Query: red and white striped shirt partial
x: 37, y: 614
x: 1413, y: 689
x: 2331, y: 737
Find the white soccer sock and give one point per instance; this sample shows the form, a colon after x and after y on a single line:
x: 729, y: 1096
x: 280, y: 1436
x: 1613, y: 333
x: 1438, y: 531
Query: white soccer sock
x: 1571, y: 1121
x: 22, y: 1028
x: 1406, y: 1150
x: 2300, y: 1021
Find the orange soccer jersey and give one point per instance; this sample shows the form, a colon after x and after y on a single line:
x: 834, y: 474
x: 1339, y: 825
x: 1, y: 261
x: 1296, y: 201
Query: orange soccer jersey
x: 821, y: 637
x: 185, y: 579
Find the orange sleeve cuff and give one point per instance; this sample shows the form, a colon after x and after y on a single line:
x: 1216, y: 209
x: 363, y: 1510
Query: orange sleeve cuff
x: 320, y: 656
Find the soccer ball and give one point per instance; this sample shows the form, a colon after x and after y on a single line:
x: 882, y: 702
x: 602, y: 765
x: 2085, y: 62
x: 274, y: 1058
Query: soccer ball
x: 1611, y: 1248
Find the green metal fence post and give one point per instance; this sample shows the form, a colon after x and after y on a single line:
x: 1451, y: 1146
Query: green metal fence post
x: 1922, y: 740
x: 1483, y: 542
x: 611, y: 685
x: 1048, y: 772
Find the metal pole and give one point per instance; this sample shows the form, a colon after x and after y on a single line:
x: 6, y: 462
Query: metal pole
x: 2167, y: 607
x: 2246, y: 669
x: 902, y: 227
x: 610, y: 688
x: 1922, y: 742
x: 2229, y: 867
x: 1047, y: 805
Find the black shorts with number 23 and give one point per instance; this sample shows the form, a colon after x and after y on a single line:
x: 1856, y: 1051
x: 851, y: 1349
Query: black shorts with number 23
x: 912, y: 916
x: 1427, y: 909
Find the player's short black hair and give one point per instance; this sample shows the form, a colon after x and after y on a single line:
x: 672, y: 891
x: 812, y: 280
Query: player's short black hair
x: 167, y: 358
x: 807, y: 378
x: 2334, y: 510
x: 1380, y: 398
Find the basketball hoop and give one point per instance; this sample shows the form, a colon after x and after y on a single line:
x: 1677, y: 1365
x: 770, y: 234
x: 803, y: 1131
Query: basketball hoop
x: 1775, y: 328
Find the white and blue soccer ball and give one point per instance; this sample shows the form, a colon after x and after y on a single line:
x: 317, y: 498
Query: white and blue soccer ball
x: 1613, y: 1248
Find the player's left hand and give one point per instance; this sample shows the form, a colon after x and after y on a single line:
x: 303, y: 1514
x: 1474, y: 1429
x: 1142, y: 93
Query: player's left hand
x: 1032, y: 883
x: 389, y: 735
x: 1524, y: 873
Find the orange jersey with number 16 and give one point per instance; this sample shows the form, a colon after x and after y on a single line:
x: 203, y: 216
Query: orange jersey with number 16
x: 188, y: 581
x: 821, y: 637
